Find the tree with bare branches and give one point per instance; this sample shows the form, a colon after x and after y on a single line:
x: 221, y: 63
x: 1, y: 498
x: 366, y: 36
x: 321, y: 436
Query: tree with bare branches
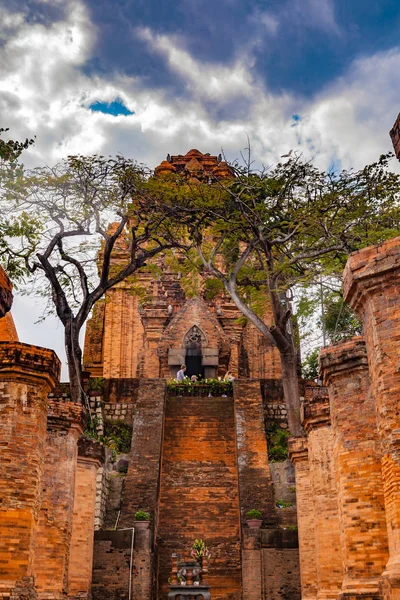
x: 86, y: 206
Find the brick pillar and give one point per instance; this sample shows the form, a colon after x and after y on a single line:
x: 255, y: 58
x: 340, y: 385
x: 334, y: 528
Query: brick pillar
x: 298, y: 452
x: 255, y: 484
x: 316, y: 422
x: 358, y: 469
x: 371, y: 285
x: 53, y: 540
x: 27, y: 375
x: 91, y: 457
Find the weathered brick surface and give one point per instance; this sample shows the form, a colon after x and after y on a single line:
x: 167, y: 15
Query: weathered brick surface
x: 8, y: 332
x: 395, y: 135
x: 25, y: 382
x: 255, y: 484
x: 371, y: 284
x: 358, y: 470
x: 51, y: 554
x: 322, y: 475
x: 111, y: 566
x: 199, y: 491
x: 280, y: 574
x: 91, y: 456
x: 298, y: 451
x: 6, y: 296
x: 142, y: 481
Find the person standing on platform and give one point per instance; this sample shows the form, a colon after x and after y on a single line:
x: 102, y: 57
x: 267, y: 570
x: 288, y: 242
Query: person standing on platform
x: 181, y: 373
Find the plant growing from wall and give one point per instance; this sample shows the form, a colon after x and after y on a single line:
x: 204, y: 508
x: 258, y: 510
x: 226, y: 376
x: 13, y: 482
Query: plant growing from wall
x: 277, y: 442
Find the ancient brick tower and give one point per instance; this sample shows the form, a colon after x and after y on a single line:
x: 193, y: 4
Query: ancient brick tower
x: 197, y: 464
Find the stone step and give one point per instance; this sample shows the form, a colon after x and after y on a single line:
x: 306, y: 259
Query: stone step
x: 199, y: 490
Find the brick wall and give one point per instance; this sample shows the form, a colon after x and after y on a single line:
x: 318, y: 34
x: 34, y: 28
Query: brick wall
x: 8, y: 332
x: 273, y: 402
x: 298, y: 451
x: 142, y: 481
x: 27, y: 374
x: 52, y: 550
x: 199, y: 491
x: 371, y: 285
x: 395, y: 135
x: 322, y: 476
x: 6, y: 296
x: 357, y: 465
x: 255, y: 483
x: 91, y: 456
x: 111, y: 565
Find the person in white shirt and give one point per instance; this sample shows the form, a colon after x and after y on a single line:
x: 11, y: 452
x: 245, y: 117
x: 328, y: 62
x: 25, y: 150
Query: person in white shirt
x: 181, y: 373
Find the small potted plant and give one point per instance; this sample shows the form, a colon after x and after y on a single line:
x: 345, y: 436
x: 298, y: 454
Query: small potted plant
x: 254, y: 518
x: 142, y: 519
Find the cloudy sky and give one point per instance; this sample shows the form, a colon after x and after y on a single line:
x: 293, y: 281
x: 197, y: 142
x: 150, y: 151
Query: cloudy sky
x: 151, y: 77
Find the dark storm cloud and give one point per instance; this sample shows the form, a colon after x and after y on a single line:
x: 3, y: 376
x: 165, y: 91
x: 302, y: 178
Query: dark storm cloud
x: 312, y: 41
x: 298, y: 46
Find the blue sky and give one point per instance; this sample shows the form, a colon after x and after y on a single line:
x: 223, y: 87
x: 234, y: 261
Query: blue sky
x: 152, y: 77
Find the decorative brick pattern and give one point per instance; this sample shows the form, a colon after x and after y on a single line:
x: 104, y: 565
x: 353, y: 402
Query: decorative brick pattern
x: 371, y: 284
x: 358, y: 470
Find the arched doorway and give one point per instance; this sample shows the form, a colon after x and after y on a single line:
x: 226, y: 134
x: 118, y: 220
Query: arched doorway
x: 194, y: 341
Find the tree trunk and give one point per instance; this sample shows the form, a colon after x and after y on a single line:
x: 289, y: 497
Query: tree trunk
x: 74, y: 358
x: 290, y: 381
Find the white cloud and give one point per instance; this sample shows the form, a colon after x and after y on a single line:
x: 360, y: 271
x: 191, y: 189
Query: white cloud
x: 43, y: 91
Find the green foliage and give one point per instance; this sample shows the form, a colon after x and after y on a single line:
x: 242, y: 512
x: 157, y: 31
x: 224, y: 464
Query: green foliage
x: 199, y: 549
x: 283, y: 503
x: 142, y: 515
x: 96, y: 384
x: 309, y: 367
x: 117, y: 435
x: 11, y: 150
x: 341, y: 322
x: 253, y: 514
x: 277, y: 441
x: 292, y: 527
x: 212, y: 288
x: 202, y: 387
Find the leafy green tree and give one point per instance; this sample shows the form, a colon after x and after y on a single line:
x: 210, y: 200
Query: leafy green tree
x: 309, y: 367
x: 262, y: 235
x: 18, y: 233
x: 87, y: 206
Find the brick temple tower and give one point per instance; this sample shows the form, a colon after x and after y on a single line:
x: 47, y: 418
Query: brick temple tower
x: 128, y: 338
x: 196, y: 464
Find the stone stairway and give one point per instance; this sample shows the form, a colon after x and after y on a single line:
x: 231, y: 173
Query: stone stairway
x: 198, y: 495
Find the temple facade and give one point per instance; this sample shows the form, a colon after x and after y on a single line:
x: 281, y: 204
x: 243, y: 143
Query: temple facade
x: 196, y: 462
